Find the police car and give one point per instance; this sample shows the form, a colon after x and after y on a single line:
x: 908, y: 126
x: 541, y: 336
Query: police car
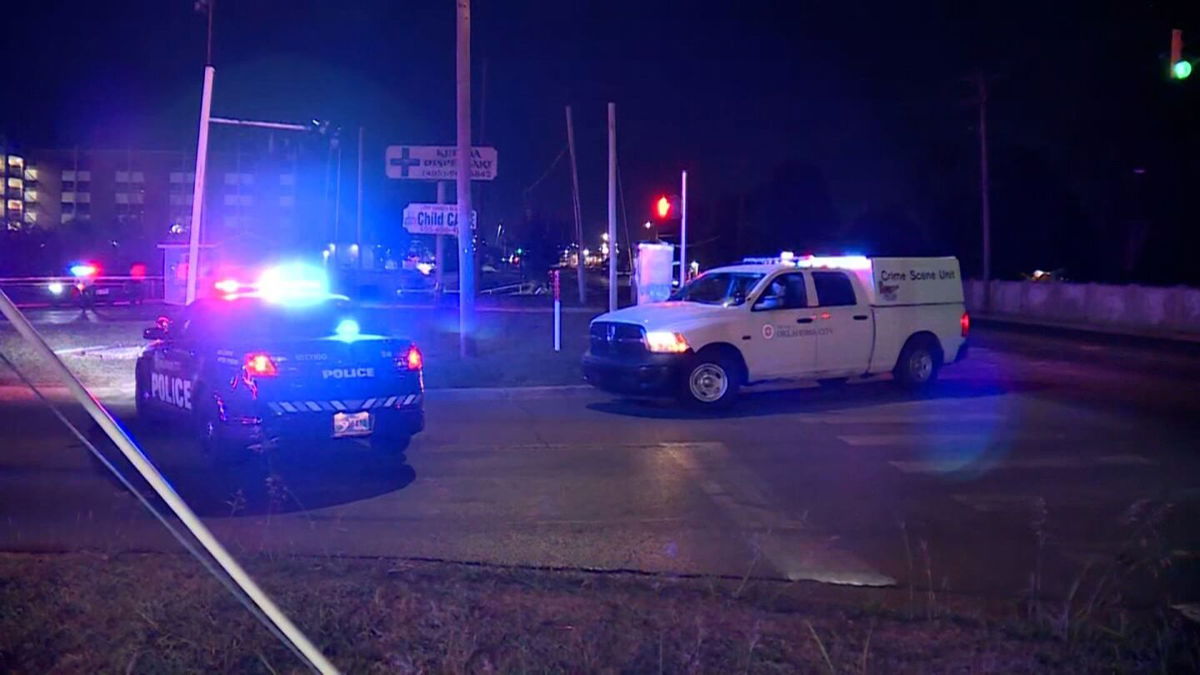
x: 804, y: 318
x: 247, y: 369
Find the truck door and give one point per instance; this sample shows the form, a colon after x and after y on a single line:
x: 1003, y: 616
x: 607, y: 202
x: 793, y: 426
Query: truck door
x: 845, y: 329
x: 779, y: 339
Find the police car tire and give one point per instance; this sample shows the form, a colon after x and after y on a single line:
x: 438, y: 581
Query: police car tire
x: 918, y: 364
x: 723, y: 365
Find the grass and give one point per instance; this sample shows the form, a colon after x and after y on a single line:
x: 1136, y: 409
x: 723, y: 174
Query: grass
x: 160, y: 613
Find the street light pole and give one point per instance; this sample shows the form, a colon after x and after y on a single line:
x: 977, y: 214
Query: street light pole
x: 193, y: 270
x: 466, y: 239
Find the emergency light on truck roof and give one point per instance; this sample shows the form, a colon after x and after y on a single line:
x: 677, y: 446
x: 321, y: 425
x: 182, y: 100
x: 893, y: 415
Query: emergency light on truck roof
x: 844, y: 262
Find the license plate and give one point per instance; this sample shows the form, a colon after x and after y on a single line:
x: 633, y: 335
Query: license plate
x: 102, y: 291
x: 352, y: 424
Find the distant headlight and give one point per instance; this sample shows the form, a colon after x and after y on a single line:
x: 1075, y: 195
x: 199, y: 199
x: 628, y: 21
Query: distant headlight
x: 666, y: 342
x: 55, y: 287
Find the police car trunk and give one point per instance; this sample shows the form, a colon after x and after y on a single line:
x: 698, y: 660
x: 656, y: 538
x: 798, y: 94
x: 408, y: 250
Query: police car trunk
x: 322, y: 370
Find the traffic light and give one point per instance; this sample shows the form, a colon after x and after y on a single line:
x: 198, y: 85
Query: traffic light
x: 1181, y: 68
x: 666, y: 207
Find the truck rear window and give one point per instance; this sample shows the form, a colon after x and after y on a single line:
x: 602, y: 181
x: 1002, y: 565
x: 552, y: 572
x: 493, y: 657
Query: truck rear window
x: 833, y: 289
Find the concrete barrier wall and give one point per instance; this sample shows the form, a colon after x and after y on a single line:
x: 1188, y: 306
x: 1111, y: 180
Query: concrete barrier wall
x: 1132, y: 308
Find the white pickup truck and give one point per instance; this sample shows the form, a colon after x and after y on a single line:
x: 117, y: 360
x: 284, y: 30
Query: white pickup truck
x: 812, y: 318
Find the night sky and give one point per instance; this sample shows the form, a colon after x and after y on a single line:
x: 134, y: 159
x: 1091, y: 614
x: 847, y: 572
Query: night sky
x: 871, y: 95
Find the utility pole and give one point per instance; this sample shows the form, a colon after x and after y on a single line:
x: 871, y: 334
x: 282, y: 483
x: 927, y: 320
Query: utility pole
x: 579, y: 269
x: 683, y: 229
x: 466, y: 239
x: 337, y: 194
x: 358, y: 201
x: 984, y: 205
x: 439, y: 251
x: 612, y: 207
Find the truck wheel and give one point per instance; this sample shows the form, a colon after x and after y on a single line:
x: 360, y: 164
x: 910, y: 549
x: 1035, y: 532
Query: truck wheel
x: 710, y: 382
x: 918, y: 364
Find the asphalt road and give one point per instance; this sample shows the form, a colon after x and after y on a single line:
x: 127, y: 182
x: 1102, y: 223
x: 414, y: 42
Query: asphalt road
x: 1044, y: 457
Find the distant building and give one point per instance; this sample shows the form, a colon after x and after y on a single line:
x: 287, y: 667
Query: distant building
x: 20, y: 207
x: 272, y: 191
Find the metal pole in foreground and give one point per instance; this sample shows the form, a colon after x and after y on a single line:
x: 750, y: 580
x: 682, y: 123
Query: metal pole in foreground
x: 466, y: 238
x: 180, y: 508
x: 612, y: 207
x: 683, y: 230
x: 193, y: 271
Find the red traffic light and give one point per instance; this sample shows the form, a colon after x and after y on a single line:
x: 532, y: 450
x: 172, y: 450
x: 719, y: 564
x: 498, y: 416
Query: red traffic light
x: 663, y: 207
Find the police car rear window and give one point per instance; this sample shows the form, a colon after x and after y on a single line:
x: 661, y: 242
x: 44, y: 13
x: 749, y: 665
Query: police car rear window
x: 257, y: 321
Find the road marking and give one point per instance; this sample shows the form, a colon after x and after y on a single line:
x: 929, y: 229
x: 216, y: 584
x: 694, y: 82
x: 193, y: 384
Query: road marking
x: 781, y: 540
x: 955, y: 464
x: 936, y: 418
x: 919, y: 439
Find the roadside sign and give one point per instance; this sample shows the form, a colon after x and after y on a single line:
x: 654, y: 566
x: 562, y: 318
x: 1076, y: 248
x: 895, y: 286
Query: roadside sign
x: 437, y: 162
x: 434, y: 219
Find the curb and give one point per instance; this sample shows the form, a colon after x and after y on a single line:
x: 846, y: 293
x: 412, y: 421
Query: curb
x: 55, y: 392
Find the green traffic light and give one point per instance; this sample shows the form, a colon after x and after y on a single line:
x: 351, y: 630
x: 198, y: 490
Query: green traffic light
x: 1181, y: 70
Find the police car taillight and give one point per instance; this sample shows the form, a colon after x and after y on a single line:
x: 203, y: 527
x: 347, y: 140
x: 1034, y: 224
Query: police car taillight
x: 410, y: 359
x: 964, y: 322
x: 258, y: 364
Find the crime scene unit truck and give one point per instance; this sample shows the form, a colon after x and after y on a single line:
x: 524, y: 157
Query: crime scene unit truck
x: 279, y: 360
x: 828, y: 318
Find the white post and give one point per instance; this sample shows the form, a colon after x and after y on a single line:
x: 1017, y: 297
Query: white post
x: 683, y: 230
x: 612, y: 207
x: 466, y: 240
x: 198, y: 186
x: 557, y: 310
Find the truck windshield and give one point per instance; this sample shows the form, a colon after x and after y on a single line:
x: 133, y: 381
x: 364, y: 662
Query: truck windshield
x: 718, y: 288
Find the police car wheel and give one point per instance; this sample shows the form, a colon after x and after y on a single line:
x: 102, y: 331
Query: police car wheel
x: 918, y: 364
x: 710, y: 383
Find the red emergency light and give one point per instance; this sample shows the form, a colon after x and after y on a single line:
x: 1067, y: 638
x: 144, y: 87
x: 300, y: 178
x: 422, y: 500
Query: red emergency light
x: 259, y: 364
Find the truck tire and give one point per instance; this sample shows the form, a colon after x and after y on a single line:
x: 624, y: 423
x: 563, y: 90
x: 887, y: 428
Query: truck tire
x: 710, y: 382
x: 919, y: 363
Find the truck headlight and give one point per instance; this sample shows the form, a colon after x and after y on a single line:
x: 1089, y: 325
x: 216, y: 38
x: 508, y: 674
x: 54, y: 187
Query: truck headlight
x: 666, y: 342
